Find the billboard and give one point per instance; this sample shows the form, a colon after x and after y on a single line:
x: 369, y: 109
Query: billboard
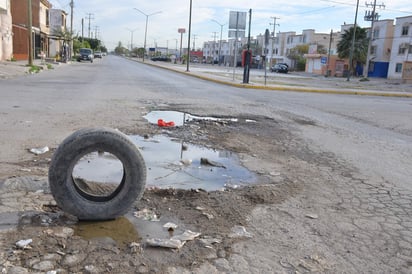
x: 237, y: 20
x: 240, y: 33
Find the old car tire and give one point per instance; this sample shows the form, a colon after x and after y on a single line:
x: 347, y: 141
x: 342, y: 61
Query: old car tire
x: 71, y: 199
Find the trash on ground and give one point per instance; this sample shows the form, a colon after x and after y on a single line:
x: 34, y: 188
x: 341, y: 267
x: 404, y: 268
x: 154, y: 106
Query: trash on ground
x: 186, y: 162
x: 239, y: 232
x: 39, y: 150
x: 162, y: 123
x: 176, y: 242
x: 147, y: 215
x: 168, y: 243
x: 207, y: 162
x: 135, y: 247
x: 208, y: 241
x: 24, y: 244
x: 312, y: 216
x: 170, y: 225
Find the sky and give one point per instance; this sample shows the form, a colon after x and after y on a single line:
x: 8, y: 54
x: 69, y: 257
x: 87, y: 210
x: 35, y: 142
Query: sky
x: 121, y: 21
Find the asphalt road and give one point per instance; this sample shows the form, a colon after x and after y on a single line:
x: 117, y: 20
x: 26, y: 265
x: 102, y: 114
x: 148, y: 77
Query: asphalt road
x: 368, y: 138
x: 373, y: 133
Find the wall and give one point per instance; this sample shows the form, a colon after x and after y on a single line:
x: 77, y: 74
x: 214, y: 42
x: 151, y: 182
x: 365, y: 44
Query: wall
x: 6, y: 31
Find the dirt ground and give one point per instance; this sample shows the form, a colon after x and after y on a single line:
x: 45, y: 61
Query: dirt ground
x: 304, y: 215
x: 264, y: 153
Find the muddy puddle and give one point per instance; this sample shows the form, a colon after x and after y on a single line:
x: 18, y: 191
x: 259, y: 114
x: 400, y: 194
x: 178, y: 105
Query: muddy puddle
x: 171, y: 164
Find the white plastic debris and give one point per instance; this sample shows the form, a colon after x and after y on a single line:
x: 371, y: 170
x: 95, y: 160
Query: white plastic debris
x: 168, y: 243
x: 147, y: 214
x: 170, y: 225
x: 175, y: 242
x: 24, y: 244
x: 312, y: 216
x: 239, y: 232
x: 186, y: 236
x: 39, y: 150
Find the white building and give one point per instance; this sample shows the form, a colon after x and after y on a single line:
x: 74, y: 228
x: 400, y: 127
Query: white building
x: 57, y: 46
x: 401, y: 53
x: 380, y: 48
x: 6, y: 31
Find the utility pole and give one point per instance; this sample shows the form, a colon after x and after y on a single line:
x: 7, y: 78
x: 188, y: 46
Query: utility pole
x: 29, y: 30
x: 370, y: 16
x: 71, y: 29
x: 89, y: 18
x: 273, y: 38
x: 353, y: 41
x: 328, y: 61
x: 96, y: 30
x: 214, y: 47
x: 194, y: 42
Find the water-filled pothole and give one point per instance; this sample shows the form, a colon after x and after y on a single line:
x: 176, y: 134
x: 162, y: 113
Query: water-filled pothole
x: 170, y: 164
x: 180, y: 118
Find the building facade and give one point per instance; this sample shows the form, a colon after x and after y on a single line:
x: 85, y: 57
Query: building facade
x: 6, y: 31
x: 40, y: 28
x: 401, y: 50
x: 58, y: 42
x: 380, y: 48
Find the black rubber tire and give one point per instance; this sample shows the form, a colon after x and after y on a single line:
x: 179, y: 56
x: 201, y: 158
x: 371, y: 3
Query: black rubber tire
x: 71, y: 199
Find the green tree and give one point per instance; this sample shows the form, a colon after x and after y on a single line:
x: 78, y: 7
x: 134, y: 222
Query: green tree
x: 360, y: 49
x: 296, y: 55
x: 120, y: 49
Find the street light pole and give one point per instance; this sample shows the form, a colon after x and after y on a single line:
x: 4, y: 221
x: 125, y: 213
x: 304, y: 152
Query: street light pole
x: 220, y: 42
x: 145, y: 32
x: 188, y: 39
x: 131, y: 38
x: 353, y: 42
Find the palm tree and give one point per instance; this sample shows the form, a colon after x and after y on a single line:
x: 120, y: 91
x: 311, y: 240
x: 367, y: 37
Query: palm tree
x: 360, y: 50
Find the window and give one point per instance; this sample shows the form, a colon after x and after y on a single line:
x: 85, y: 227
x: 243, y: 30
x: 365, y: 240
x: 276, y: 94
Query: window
x: 405, y: 30
x: 47, y: 17
x: 410, y: 49
x: 375, y: 33
x: 402, y: 50
x: 304, y: 38
x: 373, y: 50
x: 398, y: 68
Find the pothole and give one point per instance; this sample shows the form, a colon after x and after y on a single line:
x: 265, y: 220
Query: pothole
x: 170, y: 164
x: 180, y: 118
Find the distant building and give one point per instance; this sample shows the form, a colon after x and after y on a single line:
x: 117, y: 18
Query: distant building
x: 58, y: 46
x: 40, y: 28
x: 6, y: 31
x: 381, y: 47
x: 400, y: 66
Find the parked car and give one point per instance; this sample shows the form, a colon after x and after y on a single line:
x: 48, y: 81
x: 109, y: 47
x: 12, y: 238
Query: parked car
x: 281, y: 68
x: 98, y: 54
x: 161, y: 58
x: 85, y: 55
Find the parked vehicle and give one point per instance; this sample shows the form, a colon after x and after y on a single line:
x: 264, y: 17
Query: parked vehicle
x: 98, y: 54
x: 85, y: 55
x: 281, y: 68
x: 161, y: 58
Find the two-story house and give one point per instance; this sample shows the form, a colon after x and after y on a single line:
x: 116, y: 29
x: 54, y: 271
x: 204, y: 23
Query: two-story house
x: 40, y: 28
x: 400, y: 66
x: 380, y: 47
x: 58, y: 43
x: 6, y: 33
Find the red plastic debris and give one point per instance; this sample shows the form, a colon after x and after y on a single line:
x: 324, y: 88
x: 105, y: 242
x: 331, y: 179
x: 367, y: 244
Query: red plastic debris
x: 162, y: 123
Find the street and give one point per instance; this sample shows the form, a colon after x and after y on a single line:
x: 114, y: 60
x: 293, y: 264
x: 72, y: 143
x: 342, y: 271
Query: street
x: 335, y: 192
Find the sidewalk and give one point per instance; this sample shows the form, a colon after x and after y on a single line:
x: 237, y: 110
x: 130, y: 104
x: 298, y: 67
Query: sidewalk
x: 11, y: 69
